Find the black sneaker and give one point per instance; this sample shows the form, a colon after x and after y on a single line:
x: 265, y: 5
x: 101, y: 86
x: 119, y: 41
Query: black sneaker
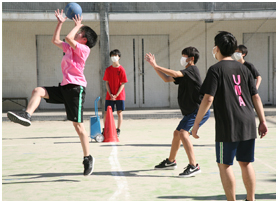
x: 166, y: 165
x: 88, y: 162
x: 118, y: 132
x: 22, y: 118
x: 190, y: 171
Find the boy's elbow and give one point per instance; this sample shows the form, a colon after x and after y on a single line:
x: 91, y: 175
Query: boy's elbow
x: 256, y: 97
x: 67, y: 39
x: 208, y: 99
x: 176, y: 75
x: 165, y: 79
x: 54, y: 41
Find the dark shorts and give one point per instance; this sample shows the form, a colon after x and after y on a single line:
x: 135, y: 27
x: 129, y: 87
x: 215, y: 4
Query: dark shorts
x: 120, y: 104
x: 188, y: 121
x: 243, y: 150
x: 72, y: 96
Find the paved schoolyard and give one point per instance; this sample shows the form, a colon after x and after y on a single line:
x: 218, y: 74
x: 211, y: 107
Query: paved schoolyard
x: 44, y: 163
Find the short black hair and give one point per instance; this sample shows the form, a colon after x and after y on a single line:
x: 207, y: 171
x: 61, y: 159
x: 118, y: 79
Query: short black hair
x: 226, y: 42
x: 115, y: 52
x: 191, y: 52
x: 90, y: 35
x: 243, y: 49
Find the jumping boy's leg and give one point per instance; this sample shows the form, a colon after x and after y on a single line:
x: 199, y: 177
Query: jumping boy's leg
x: 37, y: 94
x: 176, y: 142
x: 228, y: 181
x: 24, y: 117
x: 80, y: 129
x: 249, y: 179
x: 88, y: 159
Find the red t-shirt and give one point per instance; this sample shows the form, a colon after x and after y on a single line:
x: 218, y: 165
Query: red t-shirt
x: 115, y: 77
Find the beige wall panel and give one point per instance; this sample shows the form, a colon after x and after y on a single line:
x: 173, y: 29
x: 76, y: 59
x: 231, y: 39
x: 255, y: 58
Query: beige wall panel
x: 19, y: 46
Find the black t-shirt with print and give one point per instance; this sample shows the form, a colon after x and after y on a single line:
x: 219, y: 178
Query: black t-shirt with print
x: 189, y: 97
x: 232, y: 86
x: 252, y: 68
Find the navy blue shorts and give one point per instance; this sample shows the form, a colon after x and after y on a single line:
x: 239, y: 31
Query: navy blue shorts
x: 243, y: 150
x: 188, y: 121
x: 120, y: 104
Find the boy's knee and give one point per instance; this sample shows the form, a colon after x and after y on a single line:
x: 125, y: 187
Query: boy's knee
x: 36, y: 90
x: 79, y: 127
x: 39, y: 91
x: 176, y: 134
x: 183, y: 133
x: 244, y: 164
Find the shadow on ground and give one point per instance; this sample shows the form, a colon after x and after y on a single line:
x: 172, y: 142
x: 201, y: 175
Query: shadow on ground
x: 271, y: 196
x: 154, y: 145
x: 32, y: 178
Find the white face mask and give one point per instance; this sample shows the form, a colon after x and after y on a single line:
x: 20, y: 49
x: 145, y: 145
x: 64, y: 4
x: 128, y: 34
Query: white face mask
x: 214, y: 53
x: 114, y: 58
x: 183, y: 61
x: 237, y: 55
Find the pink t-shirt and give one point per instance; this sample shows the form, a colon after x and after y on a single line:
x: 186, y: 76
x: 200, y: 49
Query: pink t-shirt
x: 73, y: 64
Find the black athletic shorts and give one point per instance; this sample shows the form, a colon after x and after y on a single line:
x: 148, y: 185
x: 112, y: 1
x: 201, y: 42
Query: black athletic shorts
x: 73, y: 96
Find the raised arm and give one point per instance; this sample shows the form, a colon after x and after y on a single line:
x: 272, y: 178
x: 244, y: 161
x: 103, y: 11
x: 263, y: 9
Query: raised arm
x: 70, y: 37
x: 167, y: 75
x: 56, y: 36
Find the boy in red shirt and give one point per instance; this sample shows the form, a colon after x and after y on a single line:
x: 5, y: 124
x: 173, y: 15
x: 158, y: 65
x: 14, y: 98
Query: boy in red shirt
x: 115, y: 78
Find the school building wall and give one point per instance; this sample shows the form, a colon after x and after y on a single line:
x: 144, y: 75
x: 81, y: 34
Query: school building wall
x: 20, y: 60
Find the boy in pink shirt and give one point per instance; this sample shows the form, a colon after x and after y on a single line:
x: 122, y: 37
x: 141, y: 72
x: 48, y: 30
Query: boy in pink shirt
x: 71, y: 92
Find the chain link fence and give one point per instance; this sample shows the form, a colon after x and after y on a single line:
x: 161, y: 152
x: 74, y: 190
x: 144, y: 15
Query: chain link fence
x: 143, y: 7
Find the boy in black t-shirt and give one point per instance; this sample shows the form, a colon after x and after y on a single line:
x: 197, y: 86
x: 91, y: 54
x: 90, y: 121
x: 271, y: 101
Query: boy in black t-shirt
x: 189, y: 82
x: 239, y: 55
x: 231, y: 88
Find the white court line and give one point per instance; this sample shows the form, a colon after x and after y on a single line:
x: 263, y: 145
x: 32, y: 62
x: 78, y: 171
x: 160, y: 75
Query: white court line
x: 118, y: 175
x: 265, y: 164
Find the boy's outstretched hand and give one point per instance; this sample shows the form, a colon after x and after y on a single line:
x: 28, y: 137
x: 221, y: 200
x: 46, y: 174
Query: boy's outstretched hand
x: 78, y: 20
x: 151, y: 59
x: 59, y: 16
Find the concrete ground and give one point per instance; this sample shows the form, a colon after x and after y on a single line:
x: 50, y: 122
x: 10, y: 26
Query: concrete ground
x: 43, y: 162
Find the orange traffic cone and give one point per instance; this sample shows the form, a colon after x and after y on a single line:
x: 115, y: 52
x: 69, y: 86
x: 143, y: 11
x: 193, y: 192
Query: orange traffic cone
x: 110, y: 133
